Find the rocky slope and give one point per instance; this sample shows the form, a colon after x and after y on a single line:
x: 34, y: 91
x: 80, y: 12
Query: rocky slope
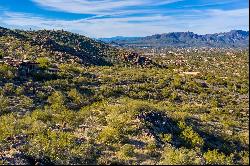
x: 63, y: 47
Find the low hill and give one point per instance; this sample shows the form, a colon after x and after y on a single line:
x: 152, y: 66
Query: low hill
x: 62, y: 47
x: 232, y: 39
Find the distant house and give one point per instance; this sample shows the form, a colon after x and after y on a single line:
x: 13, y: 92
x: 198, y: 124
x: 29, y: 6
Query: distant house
x: 52, y: 70
x: 24, y: 67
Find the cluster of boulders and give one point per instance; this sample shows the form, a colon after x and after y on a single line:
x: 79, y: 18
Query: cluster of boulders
x: 45, y: 42
x: 11, y: 155
x: 72, y: 50
x: 136, y: 59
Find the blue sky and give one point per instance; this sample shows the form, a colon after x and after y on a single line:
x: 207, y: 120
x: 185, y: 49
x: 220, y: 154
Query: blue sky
x: 107, y: 18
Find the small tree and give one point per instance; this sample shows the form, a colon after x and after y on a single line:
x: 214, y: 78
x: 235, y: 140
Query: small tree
x: 44, y: 63
x: 1, y: 54
x: 77, y: 97
x: 57, y: 101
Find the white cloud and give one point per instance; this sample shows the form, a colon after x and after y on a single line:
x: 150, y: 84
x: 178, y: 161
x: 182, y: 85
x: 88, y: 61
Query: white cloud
x: 233, y: 13
x: 209, y: 21
x: 98, y: 6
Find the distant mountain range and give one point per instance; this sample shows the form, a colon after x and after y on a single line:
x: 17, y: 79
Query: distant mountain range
x: 232, y: 39
x: 117, y: 38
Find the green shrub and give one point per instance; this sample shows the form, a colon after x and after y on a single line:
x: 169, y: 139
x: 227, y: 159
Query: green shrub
x: 8, y: 127
x: 9, y: 89
x: 4, y: 105
x: 166, y: 92
x: 6, y: 72
x: 44, y: 62
x: 153, y: 151
x: 42, y: 115
x: 53, y: 144
x: 126, y: 151
x: 77, y: 97
x: 167, y: 138
x: 244, y: 158
x: 26, y: 102
x: 215, y: 158
x: 182, y: 156
x: 110, y: 135
x: 20, y: 90
x: 57, y: 101
x: 1, y: 54
x: 85, y: 153
x: 190, y: 136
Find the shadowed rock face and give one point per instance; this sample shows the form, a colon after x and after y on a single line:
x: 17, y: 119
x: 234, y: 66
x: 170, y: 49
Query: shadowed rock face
x: 158, y: 123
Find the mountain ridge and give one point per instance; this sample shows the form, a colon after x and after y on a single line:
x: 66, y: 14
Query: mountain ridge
x: 232, y: 39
